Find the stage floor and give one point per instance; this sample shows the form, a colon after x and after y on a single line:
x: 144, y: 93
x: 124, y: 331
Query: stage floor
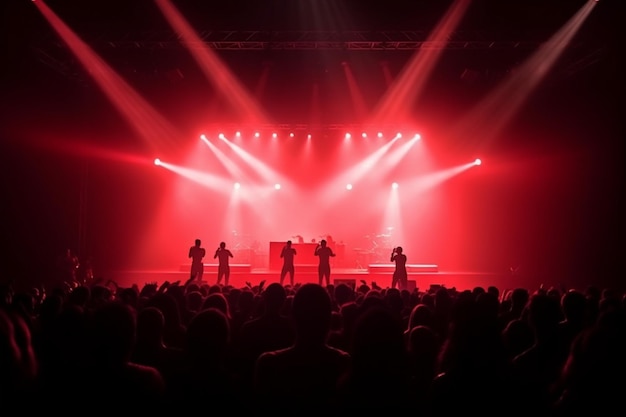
x: 460, y: 280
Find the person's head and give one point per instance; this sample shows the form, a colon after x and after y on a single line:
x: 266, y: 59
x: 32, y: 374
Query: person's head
x: 114, y: 326
x: 323, y: 242
x: 343, y: 294
x: 198, y: 242
x: 208, y: 336
x: 399, y: 249
x: 289, y: 243
x: 222, y: 245
x: 274, y: 297
x: 311, y: 310
x: 218, y: 301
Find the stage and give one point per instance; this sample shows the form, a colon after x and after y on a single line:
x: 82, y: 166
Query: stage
x: 422, y: 276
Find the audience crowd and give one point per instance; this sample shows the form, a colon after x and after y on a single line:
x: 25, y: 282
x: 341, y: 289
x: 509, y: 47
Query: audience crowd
x: 311, y: 350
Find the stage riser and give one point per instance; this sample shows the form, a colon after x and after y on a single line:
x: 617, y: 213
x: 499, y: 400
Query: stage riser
x: 423, y: 280
x: 212, y: 268
x: 239, y: 279
x: 312, y: 268
x: 413, y: 268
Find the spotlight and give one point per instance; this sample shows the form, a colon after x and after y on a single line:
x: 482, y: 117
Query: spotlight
x: 291, y: 135
x: 257, y: 134
x: 308, y: 136
x: 203, y: 137
x: 157, y: 161
x: 380, y: 134
x: 349, y: 187
x: 237, y: 186
x: 238, y: 134
x: 478, y: 162
x: 348, y: 136
x: 394, y: 185
x: 363, y: 135
x: 417, y: 136
x: 277, y: 186
x: 274, y: 135
x: 221, y: 136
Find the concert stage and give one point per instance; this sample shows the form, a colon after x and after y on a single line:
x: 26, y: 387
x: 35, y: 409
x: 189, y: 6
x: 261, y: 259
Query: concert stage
x: 422, y: 276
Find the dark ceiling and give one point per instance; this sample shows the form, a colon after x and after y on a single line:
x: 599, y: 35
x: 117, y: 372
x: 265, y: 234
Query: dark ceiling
x: 276, y: 25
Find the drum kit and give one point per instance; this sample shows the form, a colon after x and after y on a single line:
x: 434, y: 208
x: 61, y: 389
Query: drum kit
x: 377, y: 249
x: 299, y: 239
x: 244, y: 246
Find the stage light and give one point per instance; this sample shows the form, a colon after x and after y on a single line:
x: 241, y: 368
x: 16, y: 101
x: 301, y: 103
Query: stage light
x: 380, y: 134
x: 238, y: 134
x: 417, y: 136
x: 203, y: 137
x: 277, y: 186
x: 274, y: 135
x: 398, y: 135
x: 221, y: 136
x: 363, y: 135
x: 257, y: 134
x: 157, y: 161
x: 478, y: 162
x: 237, y: 186
x: 291, y: 135
x: 308, y: 136
x: 348, y: 136
x: 349, y: 187
x: 394, y: 185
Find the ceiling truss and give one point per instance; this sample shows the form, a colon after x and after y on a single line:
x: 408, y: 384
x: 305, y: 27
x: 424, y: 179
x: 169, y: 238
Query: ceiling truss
x: 396, y: 40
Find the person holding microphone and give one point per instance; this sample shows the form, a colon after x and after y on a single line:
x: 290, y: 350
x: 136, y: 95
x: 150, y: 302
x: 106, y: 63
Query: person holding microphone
x: 324, y: 253
x: 400, y: 276
x: 223, y: 269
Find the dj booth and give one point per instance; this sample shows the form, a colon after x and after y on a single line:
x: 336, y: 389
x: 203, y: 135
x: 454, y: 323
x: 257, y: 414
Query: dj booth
x: 304, y: 254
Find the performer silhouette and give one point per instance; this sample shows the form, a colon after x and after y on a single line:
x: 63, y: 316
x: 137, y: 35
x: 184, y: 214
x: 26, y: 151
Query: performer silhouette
x: 68, y: 268
x: 197, y: 253
x: 287, y: 254
x: 223, y: 269
x: 324, y: 253
x: 400, y: 276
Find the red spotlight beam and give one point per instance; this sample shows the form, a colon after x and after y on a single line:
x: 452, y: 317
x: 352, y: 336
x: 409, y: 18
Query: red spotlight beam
x: 488, y: 119
x: 392, y: 217
x: 396, y: 105
x: 82, y: 149
x: 355, y: 173
x: 394, y: 158
x: 265, y: 172
x: 355, y: 93
x: 427, y: 182
x: 153, y: 128
x: 226, y: 162
x: 205, y: 179
x: 212, y: 67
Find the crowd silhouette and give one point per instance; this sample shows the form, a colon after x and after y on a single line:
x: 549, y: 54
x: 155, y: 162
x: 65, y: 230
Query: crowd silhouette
x: 311, y: 350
